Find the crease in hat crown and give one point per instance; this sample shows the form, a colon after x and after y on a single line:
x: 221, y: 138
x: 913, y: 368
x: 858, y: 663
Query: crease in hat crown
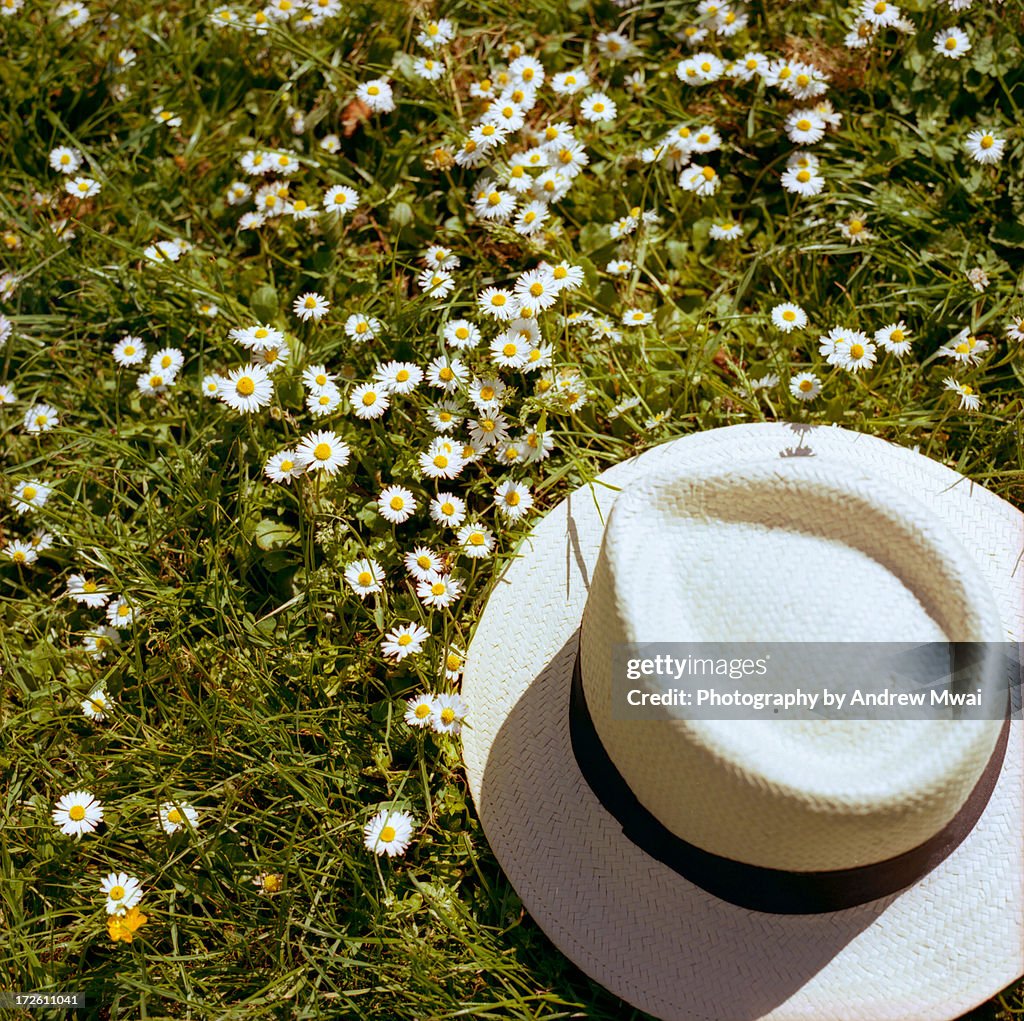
x: 790, y: 551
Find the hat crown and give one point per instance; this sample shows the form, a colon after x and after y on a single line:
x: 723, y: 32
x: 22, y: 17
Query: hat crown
x: 795, y: 551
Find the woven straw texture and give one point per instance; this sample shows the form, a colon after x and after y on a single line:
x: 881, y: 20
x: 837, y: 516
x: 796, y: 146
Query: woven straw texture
x: 928, y: 953
x: 803, y: 551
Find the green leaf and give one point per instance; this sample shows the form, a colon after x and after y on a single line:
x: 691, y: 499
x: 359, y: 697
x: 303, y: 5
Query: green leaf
x: 264, y: 303
x: 271, y: 534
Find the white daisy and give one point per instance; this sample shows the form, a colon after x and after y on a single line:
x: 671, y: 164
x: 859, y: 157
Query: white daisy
x: 396, y: 504
x: 340, y: 200
x: 423, y: 563
x: 597, y: 108
x: 802, y: 181
x: 448, y: 509
x: 282, y: 467
x: 123, y: 892
x: 404, y: 640
x: 805, y: 386
x: 29, y: 496
x: 365, y: 577
x: 951, y: 42
x: 985, y: 146
x: 177, y: 815
x: 388, y: 833
x: 311, y: 306
x: 78, y: 813
x: 41, y: 418
x: 360, y: 327
x: 368, y: 400
x: 326, y: 400
x: 513, y: 499
x: 476, y: 541
x: 95, y: 704
x: 120, y: 614
x: 87, y: 592
x: 398, y: 377
x: 322, y: 451
x: 439, y: 591
x: 894, y: 338
x: 788, y: 317
x: 247, y: 389
x: 969, y: 399
x: 419, y: 710
x: 449, y: 713
x: 82, y: 187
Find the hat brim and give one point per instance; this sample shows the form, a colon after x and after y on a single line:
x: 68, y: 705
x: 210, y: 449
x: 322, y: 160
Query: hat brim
x: 927, y: 953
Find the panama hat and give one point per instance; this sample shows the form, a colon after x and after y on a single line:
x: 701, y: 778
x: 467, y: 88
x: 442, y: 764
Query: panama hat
x: 736, y: 870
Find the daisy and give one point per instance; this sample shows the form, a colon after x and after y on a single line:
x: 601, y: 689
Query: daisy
x: 82, y: 187
x: 324, y: 401
x: 805, y: 386
x: 855, y: 230
x: 368, y: 401
x: 398, y: 377
x: 438, y: 283
x: 207, y: 308
x: 855, y: 351
x: 65, y: 159
x: 985, y: 146
x: 449, y: 713
x: 166, y: 117
x: 788, y: 317
x: 29, y: 496
x: 388, y: 833
x: 95, y: 704
x: 527, y: 70
x: 440, y: 461
x: 965, y: 347
x: 894, y: 338
x: 530, y: 218
x: 438, y: 591
x: 880, y: 13
x: 636, y: 317
x: 41, y: 418
x: 257, y: 337
x: 272, y: 358
x: 498, y: 302
x: 513, y: 499
x: 476, y: 541
x: 311, y: 306
x: 404, y: 640
x: 969, y: 399
x: 619, y: 268
x: 340, y: 200
x: 802, y: 181
x: 282, y: 467
x: 495, y: 205
x: 705, y: 139
x: 448, y: 509
x: 22, y: 553
x: 951, y: 42
x: 805, y: 127
x: 364, y: 576
x: 436, y: 33
x: 101, y: 640
x: 704, y: 181
x: 316, y: 377
x: 597, y: 108
x: 377, y: 95
x: 568, y: 83
x: 168, y: 360
x: 247, y: 389
x: 86, y: 591
x: 1014, y: 329
x: 419, y: 710
x: 359, y: 327
x: 446, y: 374
x: 396, y: 504
x: 6, y: 329
x: 7, y: 394
x: 123, y: 892
x: 177, y: 815
x: 78, y: 813
x: 120, y: 614
x: 423, y: 563
x: 322, y: 451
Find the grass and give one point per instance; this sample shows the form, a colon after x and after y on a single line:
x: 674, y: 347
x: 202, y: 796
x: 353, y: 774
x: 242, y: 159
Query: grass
x: 253, y: 685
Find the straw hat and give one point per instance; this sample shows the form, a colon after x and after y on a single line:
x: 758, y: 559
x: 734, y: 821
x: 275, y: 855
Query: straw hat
x: 738, y: 870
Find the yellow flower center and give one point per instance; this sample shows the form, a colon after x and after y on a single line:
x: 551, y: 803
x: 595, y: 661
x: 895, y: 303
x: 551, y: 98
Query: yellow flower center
x: 476, y: 538
x: 324, y: 400
x: 789, y: 315
x: 803, y: 124
x: 116, y: 892
x: 447, y: 715
x: 397, y: 503
x: 804, y: 176
x: 751, y: 64
x: 402, y: 375
x: 966, y: 390
x: 310, y: 302
x: 806, y: 385
x: 855, y: 226
x: 387, y: 834
x: 509, y: 350
x: 362, y: 327
x: 987, y: 142
x: 287, y: 465
x: 598, y: 107
x: 405, y: 640
x: 65, y: 159
x: 365, y: 578
x: 708, y: 173
x: 897, y: 336
x: 29, y: 492
x: 246, y: 386
x: 438, y: 588
x: 493, y: 198
x: 373, y: 90
x: 89, y: 586
x: 951, y: 43
x: 300, y: 206
x: 856, y: 350
x: 123, y: 611
x: 447, y: 509
x: 422, y: 711
x: 453, y: 661
x: 498, y: 299
x: 322, y: 451
x: 174, y: 816
x: 512, y: 499
x: 76, y: 812
x: 155, y: 381
x: 440, y: 461
x: 261, y: 333
x: 803, y: 80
